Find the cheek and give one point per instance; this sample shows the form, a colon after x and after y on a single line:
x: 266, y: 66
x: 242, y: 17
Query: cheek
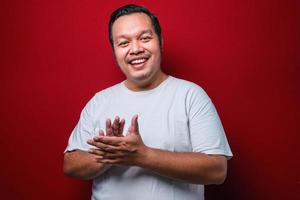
x: 120, y: 57
x: 157, y: 54
x: 155, y: 49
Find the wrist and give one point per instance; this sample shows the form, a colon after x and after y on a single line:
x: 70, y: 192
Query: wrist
x: 143, y: 156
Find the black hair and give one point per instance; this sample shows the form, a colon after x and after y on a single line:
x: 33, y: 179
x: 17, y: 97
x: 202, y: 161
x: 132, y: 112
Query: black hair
x: 129, y: 9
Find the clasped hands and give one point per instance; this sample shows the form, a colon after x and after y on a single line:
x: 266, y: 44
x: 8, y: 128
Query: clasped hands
x: 115, y: 149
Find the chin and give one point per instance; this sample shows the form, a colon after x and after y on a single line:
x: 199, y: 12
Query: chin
x: 140, y: 77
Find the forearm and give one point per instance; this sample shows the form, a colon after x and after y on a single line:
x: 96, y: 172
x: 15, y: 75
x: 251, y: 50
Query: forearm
x: 195, y: 168
x: 82, y: 165
x: 189, y: 167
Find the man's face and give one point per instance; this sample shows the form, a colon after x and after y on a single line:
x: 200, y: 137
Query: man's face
x: 136, y: 47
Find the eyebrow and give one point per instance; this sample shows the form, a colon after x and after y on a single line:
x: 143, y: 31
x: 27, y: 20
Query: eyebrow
x: 139, y: 34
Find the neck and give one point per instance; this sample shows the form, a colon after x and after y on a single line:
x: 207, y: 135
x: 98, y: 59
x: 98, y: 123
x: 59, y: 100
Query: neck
x: 148, y: 84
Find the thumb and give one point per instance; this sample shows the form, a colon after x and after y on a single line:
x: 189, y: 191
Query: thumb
x: 134, y: 127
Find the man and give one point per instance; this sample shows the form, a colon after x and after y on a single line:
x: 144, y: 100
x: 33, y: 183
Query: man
x: 173, y: 141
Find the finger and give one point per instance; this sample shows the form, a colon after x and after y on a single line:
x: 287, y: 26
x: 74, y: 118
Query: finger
x: 111, y: 143
x: 95, y: 142
x: 115, y: 155
x: 96, y: 152
x: 134, y: 125
x: 111, y: 140
x: 108, y: 128
x: 116, y: 161
x: 121, y: 127
x: 110, y: 148
x: 116, y: 125
x: 131, y: 127
x: 101, y: 132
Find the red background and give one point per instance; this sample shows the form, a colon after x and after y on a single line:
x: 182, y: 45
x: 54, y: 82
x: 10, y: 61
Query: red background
x: 55, y: 55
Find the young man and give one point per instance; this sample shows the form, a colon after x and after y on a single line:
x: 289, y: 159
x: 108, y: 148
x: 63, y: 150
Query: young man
x: 173, y: 141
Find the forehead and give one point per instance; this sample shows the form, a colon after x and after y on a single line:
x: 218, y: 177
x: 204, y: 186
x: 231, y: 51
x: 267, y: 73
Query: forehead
x: 131, y: 24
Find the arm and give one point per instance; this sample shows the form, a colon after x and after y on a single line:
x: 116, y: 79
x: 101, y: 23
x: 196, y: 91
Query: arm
x: 82, y: 165
x: 194, y: 168
x: 189, y: 167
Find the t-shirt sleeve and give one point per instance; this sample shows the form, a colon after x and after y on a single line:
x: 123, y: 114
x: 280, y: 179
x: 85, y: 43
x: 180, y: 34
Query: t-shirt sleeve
x: 206, y: 130
x: 85, y: 128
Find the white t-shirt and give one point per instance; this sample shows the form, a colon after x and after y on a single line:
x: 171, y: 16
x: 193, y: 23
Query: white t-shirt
x: 176, y: 116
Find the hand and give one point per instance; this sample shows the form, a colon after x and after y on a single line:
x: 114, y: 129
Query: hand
x: 115, y: 129
x: 127, y: 150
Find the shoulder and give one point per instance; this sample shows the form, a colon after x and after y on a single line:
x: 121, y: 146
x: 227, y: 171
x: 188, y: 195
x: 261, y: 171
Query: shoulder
x: 189, y: 88
x: 107, y: 92
x: 103, y: 96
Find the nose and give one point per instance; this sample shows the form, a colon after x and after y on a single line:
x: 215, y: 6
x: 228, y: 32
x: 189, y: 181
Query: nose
x: 136, y: 48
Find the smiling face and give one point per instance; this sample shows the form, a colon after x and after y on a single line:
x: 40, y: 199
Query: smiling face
x: 137, y: 51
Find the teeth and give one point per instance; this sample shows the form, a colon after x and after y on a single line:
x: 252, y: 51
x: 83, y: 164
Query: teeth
x: 138, y: 61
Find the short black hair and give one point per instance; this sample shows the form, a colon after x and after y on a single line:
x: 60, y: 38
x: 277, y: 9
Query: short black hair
x: 129, y: 9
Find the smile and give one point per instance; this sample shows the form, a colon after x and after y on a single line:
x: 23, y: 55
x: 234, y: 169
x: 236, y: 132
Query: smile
x: 138, y: 61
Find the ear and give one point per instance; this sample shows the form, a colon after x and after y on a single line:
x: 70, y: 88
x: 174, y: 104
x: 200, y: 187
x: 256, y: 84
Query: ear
x: 162, y: 43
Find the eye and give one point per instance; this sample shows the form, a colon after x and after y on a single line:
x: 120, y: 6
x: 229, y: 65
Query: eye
x: 146, y: 38
x: 123, y: 44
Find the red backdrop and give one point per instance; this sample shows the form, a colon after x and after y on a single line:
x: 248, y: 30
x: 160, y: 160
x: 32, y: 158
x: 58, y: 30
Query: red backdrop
x: 55, y: 55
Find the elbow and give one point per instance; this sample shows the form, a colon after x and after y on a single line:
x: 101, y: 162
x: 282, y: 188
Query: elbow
x: 219, y: 171
x: 66, y: 166
x: 67, y: 170
x: 219, y: 177
x: 215, y: 177
x: 72, y: 169
x: 69, y: 166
